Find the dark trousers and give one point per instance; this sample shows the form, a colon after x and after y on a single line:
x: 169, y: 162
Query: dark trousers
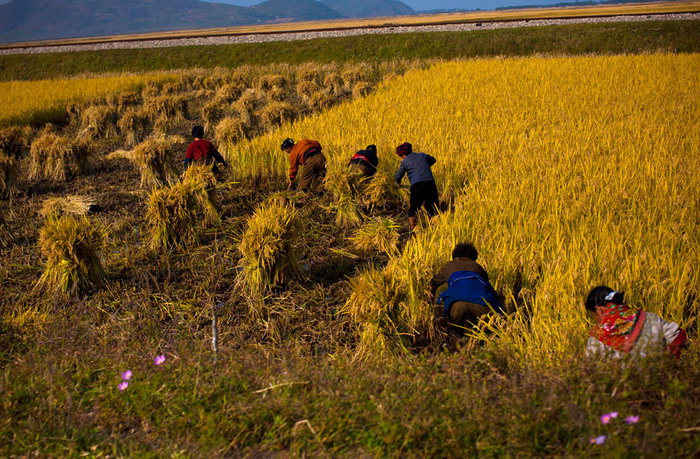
x: 465, y: 314
x: 312, y: 172
x: 423, y: 194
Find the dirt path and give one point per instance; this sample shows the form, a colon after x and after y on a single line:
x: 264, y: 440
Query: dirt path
x: 309, y: 35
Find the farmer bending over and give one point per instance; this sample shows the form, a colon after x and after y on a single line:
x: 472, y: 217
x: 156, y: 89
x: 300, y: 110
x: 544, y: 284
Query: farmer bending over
x: 364, y: 163
x: 622, y: 330
x: 423, y: 189
x: 469, y: 295
x: 307, y: 155
x: 202, y: 151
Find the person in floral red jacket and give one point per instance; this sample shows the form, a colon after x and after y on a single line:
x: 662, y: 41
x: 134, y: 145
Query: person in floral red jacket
x: 623, y: 331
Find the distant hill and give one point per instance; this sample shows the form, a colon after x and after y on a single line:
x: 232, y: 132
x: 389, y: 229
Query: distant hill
x: 291, y: 10
x: 29, y: 20
x: 369, y: 8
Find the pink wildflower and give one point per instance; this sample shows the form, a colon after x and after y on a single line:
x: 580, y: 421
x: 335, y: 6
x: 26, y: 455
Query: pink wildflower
x: 123, y: 385
x: 597, y: 440
x: 127, y: 375
x: 632, y: 419
x: 159, y: 360
x: 607, y: 417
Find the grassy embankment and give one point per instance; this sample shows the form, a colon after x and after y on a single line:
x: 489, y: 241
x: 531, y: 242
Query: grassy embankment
x: 559, y: 193
x: 616, y: 38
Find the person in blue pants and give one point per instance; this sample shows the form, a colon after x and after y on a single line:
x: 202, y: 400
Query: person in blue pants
x: 469, y: 294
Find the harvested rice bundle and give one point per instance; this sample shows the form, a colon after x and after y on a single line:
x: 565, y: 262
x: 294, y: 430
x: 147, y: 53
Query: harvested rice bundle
x: 277, y: 94
x: 389, y: 310
x: 58, y: 158
x: 277, y: 113
x: 176, y: 214
x: 230, y: 130
x: 14, y: 140
x: 306, y: 88
x: 54, y: 208
x: 382, y: 192
x: 156, y: 160
x: 267, y: 247
x: 346, y: 209
x: 71, y: 246
x: 150, y: 91
x: 167, y: 111
x: 267, y: 82
x: 99, y: 121
x: 212, y: 113
x: 124, y: 101
x: 357, y: 73
x: 361, y: 89
x: 229, y: 93
x: 133, y: 125
x: 321, y: 100
x: 379, y: 234
x: 247, y: 105
x: 310, y: 73
x: 8, y: 174
x: 334, y: 85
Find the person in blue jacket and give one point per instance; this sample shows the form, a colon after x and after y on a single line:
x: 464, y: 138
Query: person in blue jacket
x: 424, y: 192
x: 469, y: 294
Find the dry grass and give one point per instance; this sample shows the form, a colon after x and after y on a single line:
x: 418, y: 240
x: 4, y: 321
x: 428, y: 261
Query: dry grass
x: 55, y: 208
x: 177, y: 214
x: 71, y: 247
x: 58, y: 158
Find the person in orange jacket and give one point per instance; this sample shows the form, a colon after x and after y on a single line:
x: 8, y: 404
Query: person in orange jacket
x: 307, y: 155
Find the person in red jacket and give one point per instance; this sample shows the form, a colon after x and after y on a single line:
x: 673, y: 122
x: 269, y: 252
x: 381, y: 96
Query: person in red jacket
x: 202, y: 151
x: 307, y: 155
x: 622, y: 331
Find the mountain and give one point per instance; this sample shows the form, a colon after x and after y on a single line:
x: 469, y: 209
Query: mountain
x: 28, y: 20
x: 369, y: 8
x: 288, y: 10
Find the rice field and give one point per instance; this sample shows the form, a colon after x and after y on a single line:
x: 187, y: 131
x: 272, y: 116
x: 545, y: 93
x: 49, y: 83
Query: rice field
x: 565, y: 172
x: 147, y: 311
x: 24, y: 102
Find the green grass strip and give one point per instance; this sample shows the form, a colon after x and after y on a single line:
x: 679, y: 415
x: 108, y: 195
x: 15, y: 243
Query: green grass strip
x: 669, y: 36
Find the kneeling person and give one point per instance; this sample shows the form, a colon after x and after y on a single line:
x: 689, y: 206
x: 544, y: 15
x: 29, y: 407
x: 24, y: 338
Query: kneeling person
x: 202, y: 151
x: 469, y: 294
x: 307, y: 155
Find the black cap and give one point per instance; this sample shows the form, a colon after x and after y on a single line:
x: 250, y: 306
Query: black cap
x: 288, y: 143
x: 198, y: 132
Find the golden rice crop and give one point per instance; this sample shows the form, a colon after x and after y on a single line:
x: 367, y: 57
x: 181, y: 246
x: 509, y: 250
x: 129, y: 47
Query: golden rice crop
x: 58, y: 158
x: 267, y: 247
x: 379, y: 234
x: 178, y: 213
x: 565, y: 172
x: 212, y: 113
x: 166, y: 111
x: 22, y: 102
x: 71, y: 247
